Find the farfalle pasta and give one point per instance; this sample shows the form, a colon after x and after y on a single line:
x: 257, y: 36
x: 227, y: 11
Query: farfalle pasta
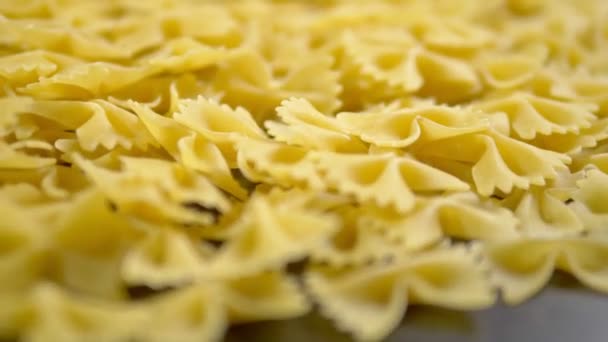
x: 175, y: 193
x: 404, y: 127
x: 431, y: 220
x: 520, y: 276
x: 23, y: 250
x: 261, y: 229
x: 356, y: 242
x: 374, y: 178
x: 192, y: 149
x: 542, y: 213
x: 493, y: 161
x: 27, y: 67
x: 276, y: 163
x: 171, y: 168
x: 531, y: 115
x: 165, y: 258
x: 303, y: 125
x: 371, y: 300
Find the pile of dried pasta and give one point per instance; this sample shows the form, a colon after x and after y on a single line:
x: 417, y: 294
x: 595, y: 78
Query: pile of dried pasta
x: 169, y: 168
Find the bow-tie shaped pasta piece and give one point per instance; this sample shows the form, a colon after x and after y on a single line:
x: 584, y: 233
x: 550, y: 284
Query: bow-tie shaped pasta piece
x: 11, y: 158
x: 304, y: 125
x: 385, y: 179
x: 512, y: 69
x: 452, y: 36
x: 165, y: 258
x: 307, y: 198
x: 504, y: 71
x: 23, y: 245
x: 39, y: 34
x: 369, y: 301
x: 392, y: 60
x: 459, y: 215
x: 277, y: 197
x: 89, y: 241
x: 403, y: 127
x: 552, y: 30
x: 220, y: 28
x: 22, y: 194
x: 52, y: 181
x: 592, y: 89
x: 60, y: 181
x: 530, y: 115
x: 110, y: 126
x: 11, y: 122
x: 597, y: 156
x: 27, y: 67
x: 246, y: 79
x: 192, y: 313
x: 385, y: 56
x: 522, y: 267
x: 86, y: 80
x: 277, y: 163
x: 198, y: 154
x: 284, y: 50
x: 189, y: 148
x: 550, y: 82
x: 60, y: 316
x: 322, y: 90
x: 166, y: 131
x: 541, y: 213
x: 217, y: 122
x: 574, y: 143
x: 357, y: 242
x: 591, y: 200
x: 162, y: 92
x: 267, y: 295
x: 183, y: 55
x: 446, y: 79
x: 496, y: 161
x: 268, y: 236
x: 158, y: 190
x: 41, y: 205
x: 136, y: 34
x: 97, y: 123
x: 348, y: 15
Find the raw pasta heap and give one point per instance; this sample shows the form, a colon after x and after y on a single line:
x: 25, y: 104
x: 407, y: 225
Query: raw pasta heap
x: 164, y: 164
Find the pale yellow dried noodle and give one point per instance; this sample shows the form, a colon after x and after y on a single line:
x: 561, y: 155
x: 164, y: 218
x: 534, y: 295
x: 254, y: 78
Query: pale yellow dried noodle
x: 169, y: 168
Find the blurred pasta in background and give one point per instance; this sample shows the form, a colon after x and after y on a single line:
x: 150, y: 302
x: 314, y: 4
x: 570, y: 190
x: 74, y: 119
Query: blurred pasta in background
x: 164, y: 164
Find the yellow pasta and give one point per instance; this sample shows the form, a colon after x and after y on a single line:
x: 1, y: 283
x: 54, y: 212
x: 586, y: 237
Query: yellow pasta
x: 165, y: 258
x: 495, y: 161
x: 521, y: 275
x: 266, y: 295
x: 173, y: 192
x: 356, y: 242
x: 305, y: 126
x: 276, y: 163
x: 266, y: 236
x: 404, y: 127
x: 169, y: 168
x: 191, y: 149
x: 541, y: 213
x: 371, y: 300
x: 384, y: 179
x: 23, y: 248
x: 532, y: 115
